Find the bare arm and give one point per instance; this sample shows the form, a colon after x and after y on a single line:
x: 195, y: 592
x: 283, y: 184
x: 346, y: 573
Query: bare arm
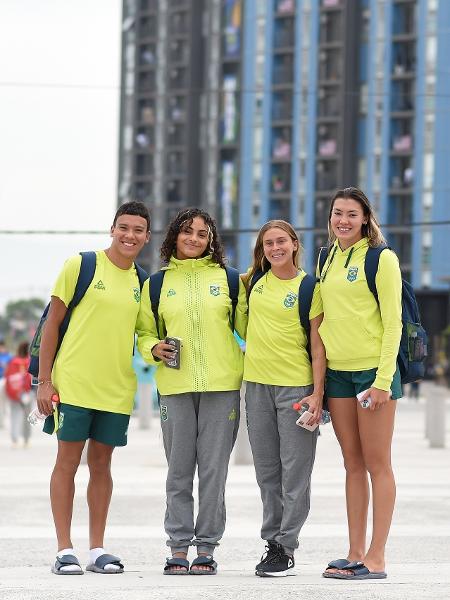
x: 47, y: 352
x: 319, y: 364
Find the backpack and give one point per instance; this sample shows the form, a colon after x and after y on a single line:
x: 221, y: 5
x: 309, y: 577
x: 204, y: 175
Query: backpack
x: 156, y: 283
x: 85, y: 276
x: 413, y: 343
x: 305, y: 296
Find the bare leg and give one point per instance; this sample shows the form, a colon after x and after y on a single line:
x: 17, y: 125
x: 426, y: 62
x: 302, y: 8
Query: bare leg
x: 99, y: 490
x: 62, y: 489
x: 345, y: 422
x: 375, y: 430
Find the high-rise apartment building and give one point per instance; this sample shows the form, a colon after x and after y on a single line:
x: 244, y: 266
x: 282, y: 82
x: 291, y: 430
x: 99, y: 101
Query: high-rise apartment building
x: 258, y: 109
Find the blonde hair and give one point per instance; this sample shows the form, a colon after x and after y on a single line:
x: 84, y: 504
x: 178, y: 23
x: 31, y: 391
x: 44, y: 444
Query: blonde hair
x: 260, y: 262
x: 370, y: 229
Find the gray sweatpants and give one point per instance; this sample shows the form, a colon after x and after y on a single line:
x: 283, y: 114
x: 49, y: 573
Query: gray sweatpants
x: 283, y: 454
x: 199, y: 429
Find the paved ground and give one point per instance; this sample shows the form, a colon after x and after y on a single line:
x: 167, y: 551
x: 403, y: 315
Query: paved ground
x: 418, y: 552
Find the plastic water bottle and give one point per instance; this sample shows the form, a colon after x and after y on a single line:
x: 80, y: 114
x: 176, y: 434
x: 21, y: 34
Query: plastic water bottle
x: 36, y: 417
x: 324, y: 419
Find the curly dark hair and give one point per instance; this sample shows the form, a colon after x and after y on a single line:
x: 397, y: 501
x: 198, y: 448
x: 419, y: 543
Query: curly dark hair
x: 185, y: 217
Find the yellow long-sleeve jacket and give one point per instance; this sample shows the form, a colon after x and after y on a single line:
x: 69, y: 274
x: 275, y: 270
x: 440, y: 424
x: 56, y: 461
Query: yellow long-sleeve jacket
x: 358, y: 334
x: 195, y: 306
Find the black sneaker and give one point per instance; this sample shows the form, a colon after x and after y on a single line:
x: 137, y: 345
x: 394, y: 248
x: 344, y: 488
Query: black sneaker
x: 276, y: 563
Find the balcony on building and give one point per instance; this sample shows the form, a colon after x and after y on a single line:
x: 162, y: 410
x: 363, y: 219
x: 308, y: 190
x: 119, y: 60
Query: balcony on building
x: 329, y: 103
x: 284, y: 33
x: 403, y: 59
x: 326, y: 175
x: 147, y: 55
x: 231, y: 30
x: 331, y: 4
x: 176, y: 109
x: 282, y: 106
x: 147, y: 81
x: 179, y: 23
x: 284, y: 7
x: 330, y: 28
x: 400, y: 210
x: 148, y: 27
x: 148, y: 5
x: 404, y: 18
x: 175, y: 164
x: 144, y: 138
x: 321, y: 210
x: 330, y: 65
x: 144, y: 165
x: 402, y: 96
x: 280, y: 182
x: 401, y: 243
x: 283, y: 70
x: 146, y: 111
x: 174, y: 192
x: 279, y: 208
x: 179, y: 51
x: 281, y: 144
x: 142, y: 191
x: 401, y: 174
x: 178, y: 78
x: 176, y: 134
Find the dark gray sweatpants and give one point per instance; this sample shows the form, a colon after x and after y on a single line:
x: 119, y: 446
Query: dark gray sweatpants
x: 199, y: 429
x: 283, y: 454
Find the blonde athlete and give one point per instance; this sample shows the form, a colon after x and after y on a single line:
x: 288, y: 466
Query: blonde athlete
x: 278, y: 373
x: 361, y: 339
x: 199, y: 401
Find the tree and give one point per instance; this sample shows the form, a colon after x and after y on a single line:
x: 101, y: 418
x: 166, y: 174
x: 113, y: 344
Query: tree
x: 20, y: 319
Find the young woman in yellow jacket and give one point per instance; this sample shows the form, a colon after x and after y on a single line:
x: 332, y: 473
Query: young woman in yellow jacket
x: 199, y: 402
x: 361, y: 339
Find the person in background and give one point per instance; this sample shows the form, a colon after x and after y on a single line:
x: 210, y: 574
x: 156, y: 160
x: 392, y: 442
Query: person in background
x: 18, y: 392
x: 5, y: 357
x: 361, y: 338
x: 200, y: 400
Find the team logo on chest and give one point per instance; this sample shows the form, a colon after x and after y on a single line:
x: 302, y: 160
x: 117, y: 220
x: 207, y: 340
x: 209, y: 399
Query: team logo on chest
x: 352, y: 273
x: 214, y: 290
x: 259, y: 289
x: 290, y: 299
x: 99, y: 285
x: 137, y: 294
x: 171, y: 292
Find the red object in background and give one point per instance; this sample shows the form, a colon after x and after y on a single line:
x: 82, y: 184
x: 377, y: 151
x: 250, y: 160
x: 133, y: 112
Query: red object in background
x: 17, y: 378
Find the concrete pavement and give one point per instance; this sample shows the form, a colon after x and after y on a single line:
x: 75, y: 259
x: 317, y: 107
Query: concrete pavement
x: 418, y: 554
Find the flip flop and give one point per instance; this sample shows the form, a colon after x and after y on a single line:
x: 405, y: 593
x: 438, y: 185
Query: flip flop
x: 339, y: 563
x: 204, y: 561
x: 106, y: 559
x: 66, y: 561
x: 176, y: 562
x: 360, y: 572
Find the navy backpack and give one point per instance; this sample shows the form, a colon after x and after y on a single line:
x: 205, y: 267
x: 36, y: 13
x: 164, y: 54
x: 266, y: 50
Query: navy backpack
x: 413, y: 343
x: 85, y: 276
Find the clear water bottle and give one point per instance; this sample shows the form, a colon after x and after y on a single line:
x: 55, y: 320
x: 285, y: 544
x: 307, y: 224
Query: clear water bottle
x: 324, y: 419
x: 36, y: 417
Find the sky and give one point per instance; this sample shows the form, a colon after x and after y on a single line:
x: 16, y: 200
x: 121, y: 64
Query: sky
x: 59, y: 114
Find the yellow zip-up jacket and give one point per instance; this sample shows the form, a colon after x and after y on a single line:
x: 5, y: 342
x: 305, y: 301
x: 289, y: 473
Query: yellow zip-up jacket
x: 357, y: 333
x: 195, y: 306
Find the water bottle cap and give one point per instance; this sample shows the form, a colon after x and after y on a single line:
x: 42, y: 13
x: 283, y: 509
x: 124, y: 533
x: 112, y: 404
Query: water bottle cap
x: 55, y: 398
x: 296, y: 406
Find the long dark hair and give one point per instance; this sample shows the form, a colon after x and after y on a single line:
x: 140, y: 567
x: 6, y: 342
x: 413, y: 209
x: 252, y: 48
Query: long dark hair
x: 185, y: 217
x: 371, y: 229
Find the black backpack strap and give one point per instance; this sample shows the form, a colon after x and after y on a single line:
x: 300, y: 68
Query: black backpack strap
x: 323, y: 255
x: 255, y: 277
x: 155, y: 285
x: 371, y: 267
x: 233, y: 278
x: 305, y: 296
x: 141, y: 274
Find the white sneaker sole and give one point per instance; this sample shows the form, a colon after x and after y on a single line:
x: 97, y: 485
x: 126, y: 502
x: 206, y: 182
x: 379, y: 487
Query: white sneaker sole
x: 287, y: 573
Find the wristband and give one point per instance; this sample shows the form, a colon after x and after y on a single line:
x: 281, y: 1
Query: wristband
x: 42, y: 381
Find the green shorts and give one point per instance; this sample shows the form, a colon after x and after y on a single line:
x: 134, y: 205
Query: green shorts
x: 77, y: 424
x: 346, y: 384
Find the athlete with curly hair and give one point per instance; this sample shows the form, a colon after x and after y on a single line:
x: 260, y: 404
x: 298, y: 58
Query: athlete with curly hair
x: 200, y: 400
